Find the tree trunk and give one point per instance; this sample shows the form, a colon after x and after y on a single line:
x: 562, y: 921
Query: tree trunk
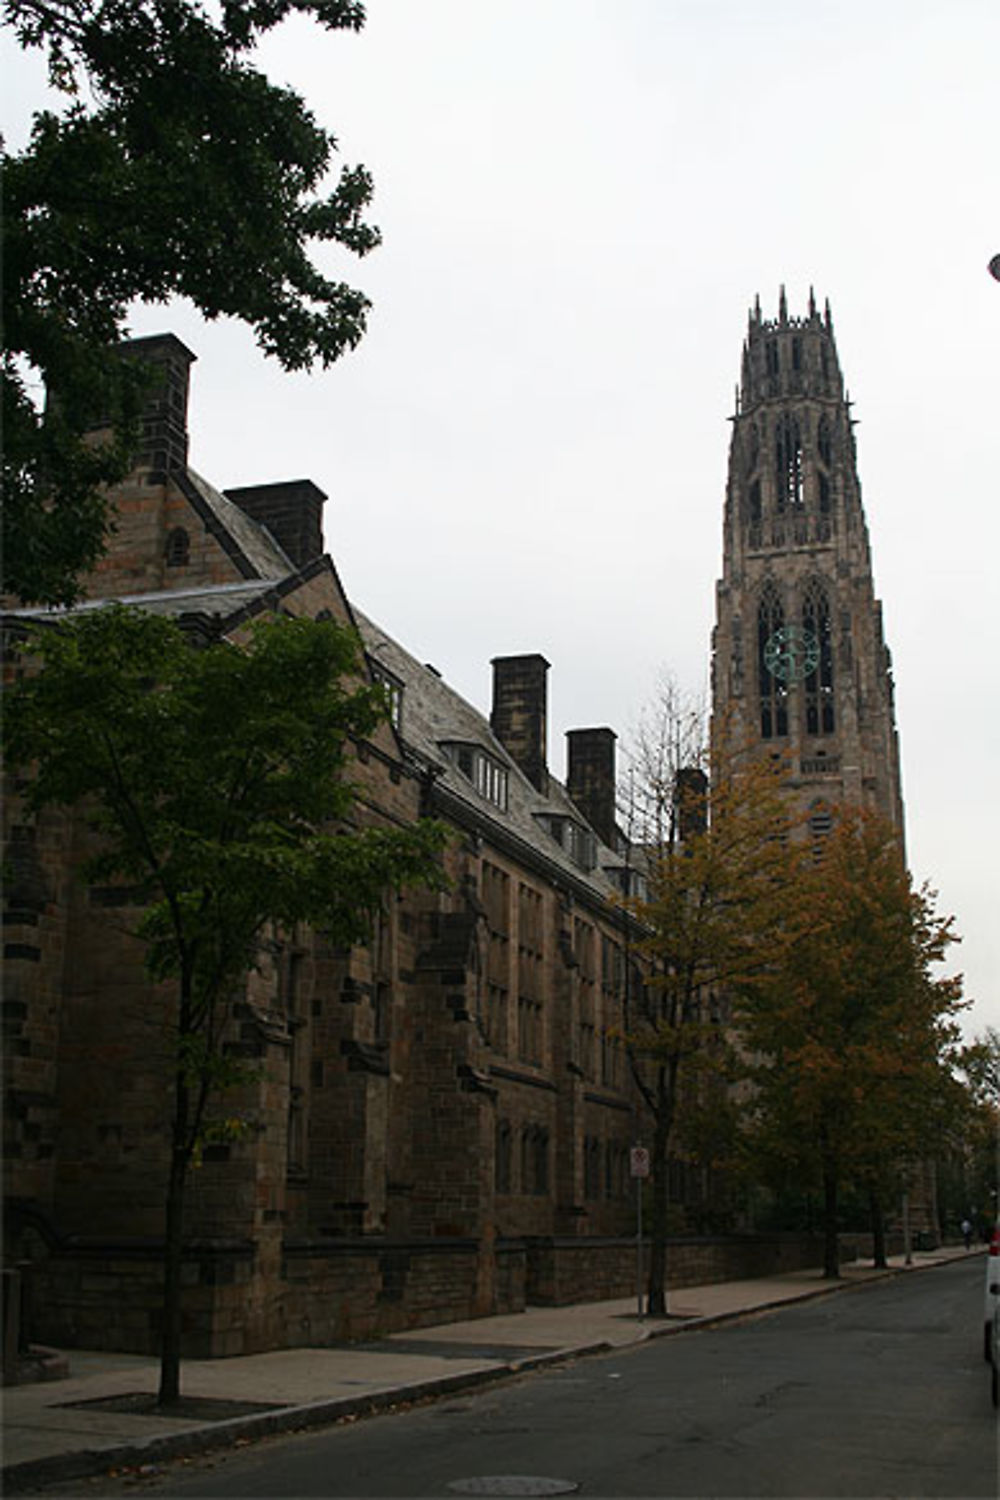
x: 831, y: 1243
x: 170, y: 1348
x: 879, y: 1258
x: 656, y: 1305
x: 173, y: 1249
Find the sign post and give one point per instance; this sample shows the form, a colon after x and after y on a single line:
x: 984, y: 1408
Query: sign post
x: 639, y: 1167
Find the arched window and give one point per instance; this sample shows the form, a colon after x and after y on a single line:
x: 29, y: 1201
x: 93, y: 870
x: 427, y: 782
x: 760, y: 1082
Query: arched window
x: 825, y: 494
x: 502, y: 1163
x: 824, y: 441
x: 178, y: 548
x: 752, y: 448
x: 819, y: 684
x: 788, y: 462
x: 773, y: 690
x: 534, y: 1159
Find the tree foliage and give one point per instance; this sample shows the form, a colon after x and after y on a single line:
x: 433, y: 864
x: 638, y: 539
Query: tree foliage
x: 851, y: 1034
x: 175, y: 168
x: 215, y: 781
x: 715, y: 874
x: 978, y: 1150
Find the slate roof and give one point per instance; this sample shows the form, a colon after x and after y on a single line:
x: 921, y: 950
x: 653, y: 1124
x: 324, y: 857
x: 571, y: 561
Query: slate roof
x: 434, y: 714
x: 219, y: 600
x: 254, y: 541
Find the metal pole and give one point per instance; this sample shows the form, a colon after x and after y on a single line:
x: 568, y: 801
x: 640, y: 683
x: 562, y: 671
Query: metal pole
x: 907, y: 1246
x: 638, y: 1246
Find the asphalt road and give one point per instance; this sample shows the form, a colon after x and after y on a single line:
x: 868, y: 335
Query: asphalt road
x: 879, y: 1391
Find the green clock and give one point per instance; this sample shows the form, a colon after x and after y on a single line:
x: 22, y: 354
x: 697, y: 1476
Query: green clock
x: 791, y: 653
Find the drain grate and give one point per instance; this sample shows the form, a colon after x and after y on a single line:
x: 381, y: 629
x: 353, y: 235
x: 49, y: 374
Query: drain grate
x: 513, y: 1484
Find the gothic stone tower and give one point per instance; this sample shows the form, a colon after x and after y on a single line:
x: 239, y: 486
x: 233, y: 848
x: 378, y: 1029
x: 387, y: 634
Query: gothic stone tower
x: 799, y: 658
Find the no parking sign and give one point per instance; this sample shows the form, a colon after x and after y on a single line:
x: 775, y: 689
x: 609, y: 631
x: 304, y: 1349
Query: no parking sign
x: 639, y: 1161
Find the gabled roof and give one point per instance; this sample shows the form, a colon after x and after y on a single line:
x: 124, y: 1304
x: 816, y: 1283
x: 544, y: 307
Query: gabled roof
x: 433, y: 716
x: 256, y: 544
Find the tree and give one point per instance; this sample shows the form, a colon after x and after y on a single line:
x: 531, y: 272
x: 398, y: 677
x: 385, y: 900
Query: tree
x: 216, y: 782
x: 190, y: 175
x: 717, y: 856
x: 850, y: 1034
x: 979, y: 1148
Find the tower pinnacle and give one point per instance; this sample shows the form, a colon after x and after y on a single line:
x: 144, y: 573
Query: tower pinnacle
x: 800, y: 664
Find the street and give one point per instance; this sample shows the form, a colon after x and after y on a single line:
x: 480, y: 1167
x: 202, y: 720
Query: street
x: 877, y: 1391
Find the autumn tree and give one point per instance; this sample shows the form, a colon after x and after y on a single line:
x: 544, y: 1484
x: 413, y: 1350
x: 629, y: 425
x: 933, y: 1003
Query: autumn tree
x: 168, y: 165
x: 716, y: 859
x: 851, y: 1034
x: 979, y: 1065
x: 216, y: 781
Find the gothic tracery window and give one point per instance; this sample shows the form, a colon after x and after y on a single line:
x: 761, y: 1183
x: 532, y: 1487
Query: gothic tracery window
x: 824, y: 441
x: 752, y: 448
x: 788, y: 462
x: 773, y: 690
x: 825, y: 494
x: 819, y: 683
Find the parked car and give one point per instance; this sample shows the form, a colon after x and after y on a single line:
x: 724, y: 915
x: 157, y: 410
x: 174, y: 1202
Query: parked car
x: 992, y: 1306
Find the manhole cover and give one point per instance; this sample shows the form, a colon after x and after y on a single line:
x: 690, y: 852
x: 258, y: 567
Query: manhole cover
x: 513, y: 1484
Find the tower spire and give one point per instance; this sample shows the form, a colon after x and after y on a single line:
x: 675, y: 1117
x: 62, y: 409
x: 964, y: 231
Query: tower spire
x: 799, y: 629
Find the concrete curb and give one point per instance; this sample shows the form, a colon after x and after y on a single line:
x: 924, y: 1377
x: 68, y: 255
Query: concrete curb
x: 83, y: 1463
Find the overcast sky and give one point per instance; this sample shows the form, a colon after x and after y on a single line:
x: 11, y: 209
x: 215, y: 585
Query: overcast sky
x: 579, y: 202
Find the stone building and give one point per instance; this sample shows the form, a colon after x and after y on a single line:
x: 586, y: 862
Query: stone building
x: 430, y: 1107
x: 441, y: 1119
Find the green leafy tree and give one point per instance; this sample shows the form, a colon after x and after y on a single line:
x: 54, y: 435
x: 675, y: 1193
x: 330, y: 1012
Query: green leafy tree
x: 851, y: 1035
x: 175, y: 168
x: 717, y: 860
x: 216, y: 782
x: 979, y: 1147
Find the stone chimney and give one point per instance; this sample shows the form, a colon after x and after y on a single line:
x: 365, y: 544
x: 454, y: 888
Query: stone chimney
x: 590, y: 778
x: 163, y: 445
x: 518, y: 718
x: 292, y: 511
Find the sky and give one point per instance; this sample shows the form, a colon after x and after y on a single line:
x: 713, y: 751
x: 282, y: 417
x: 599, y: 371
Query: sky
x: 579, y: 203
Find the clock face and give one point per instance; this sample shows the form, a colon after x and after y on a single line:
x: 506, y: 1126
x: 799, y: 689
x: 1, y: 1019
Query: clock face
x: 791, y: 653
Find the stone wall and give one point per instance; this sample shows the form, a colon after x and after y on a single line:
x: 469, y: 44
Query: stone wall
x: 239, y: 1299
x: 562, y: 1271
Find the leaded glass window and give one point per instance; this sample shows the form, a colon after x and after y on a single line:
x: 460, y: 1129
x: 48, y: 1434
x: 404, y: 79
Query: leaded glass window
x: 788, y: 462
x: 773, y: 690
x: 819, y: 683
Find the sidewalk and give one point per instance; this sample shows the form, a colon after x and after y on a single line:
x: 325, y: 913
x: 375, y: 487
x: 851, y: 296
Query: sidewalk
x: 56, y: 1431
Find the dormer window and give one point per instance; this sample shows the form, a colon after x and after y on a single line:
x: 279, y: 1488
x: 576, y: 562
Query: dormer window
x: 581, y: 846
x: 488, y: 775
x: 393, y: 690
x: 631, y: 883
x: 578, y: 841
x: 178, y: 549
